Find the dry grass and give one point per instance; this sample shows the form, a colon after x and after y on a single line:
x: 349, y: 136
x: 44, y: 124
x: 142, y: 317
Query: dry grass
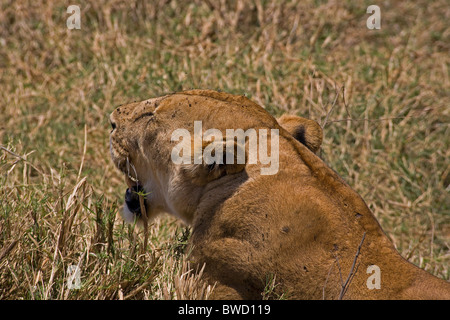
x: 59, y: 191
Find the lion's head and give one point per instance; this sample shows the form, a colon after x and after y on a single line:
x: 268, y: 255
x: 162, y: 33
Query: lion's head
x: 142, y: 143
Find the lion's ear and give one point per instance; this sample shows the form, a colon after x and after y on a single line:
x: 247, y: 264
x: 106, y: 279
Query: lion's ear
x: 217, y: 159
x: 304, y: 130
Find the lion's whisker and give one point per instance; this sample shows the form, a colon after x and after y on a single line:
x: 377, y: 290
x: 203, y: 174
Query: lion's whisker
x: 128, y: 167
x: 135, y: 173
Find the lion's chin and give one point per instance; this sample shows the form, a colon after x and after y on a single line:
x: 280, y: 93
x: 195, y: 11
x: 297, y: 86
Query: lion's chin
x: 128, y: 216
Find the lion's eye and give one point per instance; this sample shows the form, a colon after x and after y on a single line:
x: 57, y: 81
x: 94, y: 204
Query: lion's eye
x: 147, y: 114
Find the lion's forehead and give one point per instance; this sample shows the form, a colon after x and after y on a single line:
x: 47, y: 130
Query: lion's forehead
x: 214, y: 109
x: 133, y: 110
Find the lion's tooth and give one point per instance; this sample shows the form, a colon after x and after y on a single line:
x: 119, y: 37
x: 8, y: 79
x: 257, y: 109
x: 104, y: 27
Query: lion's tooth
x: 130, y: 181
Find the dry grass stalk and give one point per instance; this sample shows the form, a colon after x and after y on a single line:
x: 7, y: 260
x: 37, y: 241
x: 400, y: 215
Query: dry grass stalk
x: 189, y: 285
x: 144, y: 220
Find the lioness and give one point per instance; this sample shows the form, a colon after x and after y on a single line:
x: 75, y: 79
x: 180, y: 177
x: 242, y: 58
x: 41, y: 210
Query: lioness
x: 302, y: 225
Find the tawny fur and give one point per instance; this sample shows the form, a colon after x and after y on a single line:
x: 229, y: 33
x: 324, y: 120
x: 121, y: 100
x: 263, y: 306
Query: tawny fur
x: 302, y: 225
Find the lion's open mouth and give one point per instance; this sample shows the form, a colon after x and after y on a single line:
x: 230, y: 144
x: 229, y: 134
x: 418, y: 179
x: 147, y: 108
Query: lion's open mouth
x: 135, y: 196
x: 132, y: 199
